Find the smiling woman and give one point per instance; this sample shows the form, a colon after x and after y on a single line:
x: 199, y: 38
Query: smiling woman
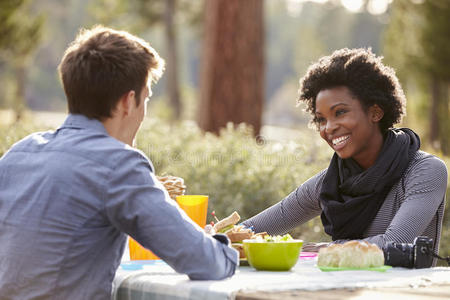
x: 379, y: 186
x: 347, y: 127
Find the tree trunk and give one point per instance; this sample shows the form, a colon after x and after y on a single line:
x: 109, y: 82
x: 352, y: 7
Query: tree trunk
x: 434, y: 113
x: 171, y: 63
x: 443, y: 114
x: 232, y: 74
x: 19, y: 101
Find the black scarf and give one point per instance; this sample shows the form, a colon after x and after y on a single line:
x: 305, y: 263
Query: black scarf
x: 351, y: 196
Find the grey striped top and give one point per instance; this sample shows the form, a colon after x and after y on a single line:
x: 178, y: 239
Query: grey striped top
x: 413, y: 207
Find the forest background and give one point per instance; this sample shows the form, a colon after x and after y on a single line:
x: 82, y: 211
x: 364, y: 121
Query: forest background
x: 224, y: 115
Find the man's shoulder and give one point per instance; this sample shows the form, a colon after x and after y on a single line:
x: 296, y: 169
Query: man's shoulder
x: 27, y: 142
x: 128, y: 153
x: 97, y: 148
x: 115, y: 153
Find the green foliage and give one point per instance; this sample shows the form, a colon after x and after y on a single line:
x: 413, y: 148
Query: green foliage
x: 417, y: 38
x: 417, y: 45
x: 139, y: 15
x: 15, y: 132
x: 298, y: 34
x: 20, y: 34
x: 434, y: 37
x: 8, y: 21
x: 236, y: 171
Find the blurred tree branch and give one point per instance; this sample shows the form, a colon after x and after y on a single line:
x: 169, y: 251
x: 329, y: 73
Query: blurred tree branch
x: 417, y: 43
x: 144, y: 14
x: 20, y: 35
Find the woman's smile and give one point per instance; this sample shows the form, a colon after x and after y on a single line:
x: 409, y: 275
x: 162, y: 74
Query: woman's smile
x: 339, y: 142
x: 349, y: 129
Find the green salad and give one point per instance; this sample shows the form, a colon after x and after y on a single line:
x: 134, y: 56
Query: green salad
x: 278, y: 238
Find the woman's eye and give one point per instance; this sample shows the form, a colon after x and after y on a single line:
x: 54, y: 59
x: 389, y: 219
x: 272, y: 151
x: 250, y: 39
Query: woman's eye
x: 319, y: 120
x: 340, y: 112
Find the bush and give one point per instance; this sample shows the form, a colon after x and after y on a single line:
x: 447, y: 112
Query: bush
x: 15, y: 132
x: 236, y: 171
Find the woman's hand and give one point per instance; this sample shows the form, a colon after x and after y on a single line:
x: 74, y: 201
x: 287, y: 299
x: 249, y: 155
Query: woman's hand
x: 313, y: 247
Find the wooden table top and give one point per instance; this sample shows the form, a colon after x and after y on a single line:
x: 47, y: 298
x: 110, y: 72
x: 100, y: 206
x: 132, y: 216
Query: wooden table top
x: 433, y: 292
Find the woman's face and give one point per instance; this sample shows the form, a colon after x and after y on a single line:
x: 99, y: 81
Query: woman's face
x: 351, y: 131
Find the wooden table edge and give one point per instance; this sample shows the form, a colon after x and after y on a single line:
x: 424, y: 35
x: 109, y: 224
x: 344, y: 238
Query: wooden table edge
x: 430, y: 292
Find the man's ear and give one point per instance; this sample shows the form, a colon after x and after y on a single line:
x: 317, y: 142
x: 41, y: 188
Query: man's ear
x: 376, y: 113
x: 125, y: 104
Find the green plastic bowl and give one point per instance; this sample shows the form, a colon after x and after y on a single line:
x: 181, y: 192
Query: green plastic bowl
x: 272, y: 256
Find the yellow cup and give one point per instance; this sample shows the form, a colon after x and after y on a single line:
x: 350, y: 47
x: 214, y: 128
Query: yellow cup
x: 137, y: 252
x: 195, y: 207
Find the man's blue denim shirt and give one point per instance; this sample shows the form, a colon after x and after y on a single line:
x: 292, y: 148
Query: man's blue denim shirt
x: 67, y: 200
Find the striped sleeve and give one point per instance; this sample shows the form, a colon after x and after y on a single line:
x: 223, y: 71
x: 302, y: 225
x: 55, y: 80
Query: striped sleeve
x: 424, y: 187
x: 297, y: 208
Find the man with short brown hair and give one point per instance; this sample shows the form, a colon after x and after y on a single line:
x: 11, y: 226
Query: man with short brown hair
x: 69, y: 197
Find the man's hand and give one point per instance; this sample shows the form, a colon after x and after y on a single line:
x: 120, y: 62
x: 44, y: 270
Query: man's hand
x: 209, y: 229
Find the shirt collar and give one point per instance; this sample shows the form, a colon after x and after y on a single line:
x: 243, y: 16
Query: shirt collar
x: 81, y: 121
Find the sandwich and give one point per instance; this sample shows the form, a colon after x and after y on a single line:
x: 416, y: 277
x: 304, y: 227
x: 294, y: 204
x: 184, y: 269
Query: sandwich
x: 236, y: 233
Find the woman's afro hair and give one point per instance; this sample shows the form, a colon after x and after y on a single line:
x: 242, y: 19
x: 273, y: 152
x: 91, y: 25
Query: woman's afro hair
x: 363, y: 73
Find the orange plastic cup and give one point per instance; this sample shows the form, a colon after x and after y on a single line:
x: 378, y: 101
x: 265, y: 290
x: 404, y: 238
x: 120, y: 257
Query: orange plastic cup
x: 137, y: 252
x: 195, y: 207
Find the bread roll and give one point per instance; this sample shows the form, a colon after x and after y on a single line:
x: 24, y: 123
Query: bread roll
x: 329, y: 256
x: 353, y: 254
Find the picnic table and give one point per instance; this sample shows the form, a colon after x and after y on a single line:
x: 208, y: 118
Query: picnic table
x: 156, y: 280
